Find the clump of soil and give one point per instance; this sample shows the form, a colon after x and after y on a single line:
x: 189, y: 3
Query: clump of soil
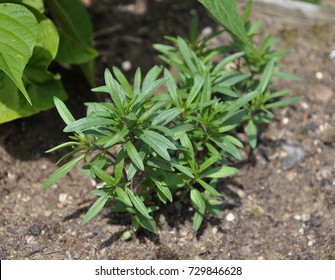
x: 273, y: 210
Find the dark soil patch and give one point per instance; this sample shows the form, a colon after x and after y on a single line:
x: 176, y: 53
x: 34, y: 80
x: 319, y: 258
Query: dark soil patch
x: 270, y: 212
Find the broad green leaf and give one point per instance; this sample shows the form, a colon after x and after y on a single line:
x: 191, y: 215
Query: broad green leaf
x: 18, y: 33
x: 122, y: 195
x: 251, y: 131
x: 164, y: 190
x: 198, y: 201
x: 197, y: 220
x: 180, y: 129
x: 208, y: 187
x: 73, y: 20
x: 158, y: 142
x: 226, y: 12
x: 134, y: 156
x: 138, y: 203
x: 62, y: 171
x: 63, y: 111
x: 87, y: 122
x: 103, y: 175
x: 166, y: 116
x: 72, y: 51
x: 159, y: 163
x: 96, y: 208
x: 220, y: 172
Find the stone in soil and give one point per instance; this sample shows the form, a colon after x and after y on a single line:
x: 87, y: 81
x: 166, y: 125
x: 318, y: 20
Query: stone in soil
x: 295, y: 154
x: 34, y: 230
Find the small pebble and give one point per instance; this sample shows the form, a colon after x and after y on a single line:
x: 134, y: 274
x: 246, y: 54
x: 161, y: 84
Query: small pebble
x: 319, y: 75
x: 76, y: 256
x: 332, y: 54
x: 301, y: 231
x: 126, y: 65
x: 207, y: 31
x: 62, y: 197
x: 230, y: 217
x: 34, y: 230
x: 311, y: 243
x: 314, y: 222
x: 295, y: 154
x: 285, y: 120
x: 297, y: 217
x: 305, y: 217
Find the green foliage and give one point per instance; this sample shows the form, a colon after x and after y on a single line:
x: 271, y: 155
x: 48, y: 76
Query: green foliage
x: 173, y: 138
x: 30, y: 43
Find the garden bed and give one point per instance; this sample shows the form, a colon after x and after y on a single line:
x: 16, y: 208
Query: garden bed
x: 280, y: 206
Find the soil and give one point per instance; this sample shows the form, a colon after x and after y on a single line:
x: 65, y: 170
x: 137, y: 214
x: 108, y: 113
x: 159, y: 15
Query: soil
x: 271, y: 210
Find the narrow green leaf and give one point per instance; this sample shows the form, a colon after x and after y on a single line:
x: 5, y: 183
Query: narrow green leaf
x: 137, y: 82
x: 165, y: 190
x: 115, y: 90
x: 148, y: 224
x: 183, y: 169
x: 87, y: 122
x: 267, y: 75
x: 208, y: 187
x: 197, y: 220
x: 166, y: 116
x: 116, y: 138
x: 119, y: 164
x: 233, y: 140
x: 209, y: 162
x: 96, y: 208
x: 198, y: 83
x: 134, y: 155
x: 198, y: 201
x: 172, y: 87
x: 102, y: 175
x: 226, y: 12
x: 284, y: 102
x: 220, y: 172
x: 219, y: 67
x: 235, y: 105
x: 158, y: 142
x: 123, y: 81
x: 122, y: 195
x: 67, y: 144
x: 188, y: 54
x: 62, y: 171
x: 63, y: 111
x: 251, y: 131
x: 286, y: 76
x: 138, y: 203
x: 151, y: 77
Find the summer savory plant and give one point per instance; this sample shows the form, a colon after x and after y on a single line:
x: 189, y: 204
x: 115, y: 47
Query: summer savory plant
x: 172, y: 138
x: 30, y: 42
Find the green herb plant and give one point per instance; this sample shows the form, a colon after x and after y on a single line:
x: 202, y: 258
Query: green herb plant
x: 30, y: 42
x: 172, y: 138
